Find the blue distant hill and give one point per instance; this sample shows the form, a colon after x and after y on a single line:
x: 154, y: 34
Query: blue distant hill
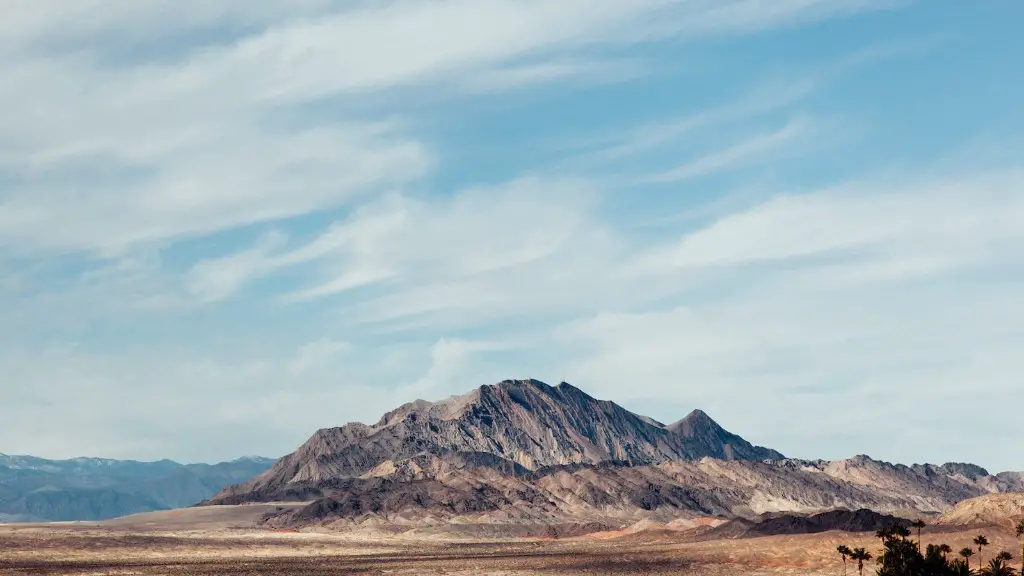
x: 39, y: 490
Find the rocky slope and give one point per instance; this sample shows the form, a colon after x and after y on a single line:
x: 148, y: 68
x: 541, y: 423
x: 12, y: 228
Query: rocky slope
x: 1004, y: 509
x: 483, y: 489
x: 35, y: 489
x: 523, y: 452
x: 524, y: 422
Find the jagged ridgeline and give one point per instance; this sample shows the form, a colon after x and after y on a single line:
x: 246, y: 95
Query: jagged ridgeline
x: 522, y: 450
x: 525, y: 423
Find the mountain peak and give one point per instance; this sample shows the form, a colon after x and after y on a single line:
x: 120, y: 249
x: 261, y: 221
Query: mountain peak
x: 524, y: 423
x: 512, y: 383
x: 706, y: 436
x: 695, y: 423
x: 697, y: 413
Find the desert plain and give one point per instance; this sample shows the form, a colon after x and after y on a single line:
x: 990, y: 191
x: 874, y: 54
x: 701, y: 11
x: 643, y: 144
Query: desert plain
x: 226, y: 540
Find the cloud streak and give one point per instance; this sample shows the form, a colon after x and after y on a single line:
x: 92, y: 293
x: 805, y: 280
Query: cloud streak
x: 155, y: 151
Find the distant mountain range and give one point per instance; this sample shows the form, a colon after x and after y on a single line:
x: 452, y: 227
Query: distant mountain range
x: 35, y: 489
x: 522, y: 453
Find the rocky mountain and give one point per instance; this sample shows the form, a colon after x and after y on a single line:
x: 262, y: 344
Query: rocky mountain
x: 523, y: 422
x: 35, y: 489
x: 474, y: 488
x: 525, y: 453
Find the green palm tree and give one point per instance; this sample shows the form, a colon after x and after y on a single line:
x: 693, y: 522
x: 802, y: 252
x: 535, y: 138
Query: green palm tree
x: 1020, y: 536
x: 980, y: 542
x: 997, y: 567
x: 919, y: 525
x: 844, y: 551
x: 966, y: 554
x: 861, y: 556
x: 945, y: 550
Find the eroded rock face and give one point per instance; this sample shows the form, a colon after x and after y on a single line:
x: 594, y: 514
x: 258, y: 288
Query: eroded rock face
x: 525, y: 422
x: 484, y: 489
x: 522, y: 451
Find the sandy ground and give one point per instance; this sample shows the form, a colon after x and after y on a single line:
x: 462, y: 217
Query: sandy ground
x: 222, y: 541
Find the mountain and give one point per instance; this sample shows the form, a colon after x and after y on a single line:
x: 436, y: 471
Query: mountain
x: 524, y: 422
x: 524, y: 453
x: 1007, y: 509
x: 779, y: 524
x: 36, y: 489
x: 481, y: 489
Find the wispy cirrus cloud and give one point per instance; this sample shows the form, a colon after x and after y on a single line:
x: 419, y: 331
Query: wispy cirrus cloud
x: 407, y: 241
x: 759, y: 148
x: 186, y: 144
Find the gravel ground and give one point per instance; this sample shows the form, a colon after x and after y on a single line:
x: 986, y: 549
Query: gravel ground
x: 85, y: 550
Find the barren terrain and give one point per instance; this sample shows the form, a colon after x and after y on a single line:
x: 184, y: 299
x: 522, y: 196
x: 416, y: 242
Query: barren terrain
x: 223, y: 541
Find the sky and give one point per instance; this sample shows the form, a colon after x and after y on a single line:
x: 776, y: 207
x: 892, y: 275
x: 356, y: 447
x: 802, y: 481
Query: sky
x: 224, y: 225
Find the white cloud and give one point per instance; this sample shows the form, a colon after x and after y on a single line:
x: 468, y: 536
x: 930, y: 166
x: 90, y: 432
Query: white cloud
x: 758, y: 149
x: 868, y: 303
x: 411, y: 243
x: 486, y: 253
x: 180, y: 402
x: 108, y: 153
x: 524, y: 75
x: 941, y: 218
x: 216, y: 279
x: 771, y: 97
x: 37, y: 25
x: 192, y: 404
x: 416, y: 243
x: 317, y: 355
x: 451, y: 366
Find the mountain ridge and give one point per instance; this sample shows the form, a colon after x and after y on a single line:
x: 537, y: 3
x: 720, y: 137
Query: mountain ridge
x: 34, y: 489
x: 523, y: 452
x: 456, y: 488
x: 526, y: 422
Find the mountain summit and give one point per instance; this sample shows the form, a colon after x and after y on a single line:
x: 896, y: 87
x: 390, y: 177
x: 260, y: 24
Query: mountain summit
x: 526, y: 423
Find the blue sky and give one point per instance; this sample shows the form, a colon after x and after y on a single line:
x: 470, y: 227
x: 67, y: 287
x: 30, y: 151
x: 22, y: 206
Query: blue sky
x: 225, y: 225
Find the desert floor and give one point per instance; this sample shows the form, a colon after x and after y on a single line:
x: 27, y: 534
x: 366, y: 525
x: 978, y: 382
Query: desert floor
x: 219, y: 542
